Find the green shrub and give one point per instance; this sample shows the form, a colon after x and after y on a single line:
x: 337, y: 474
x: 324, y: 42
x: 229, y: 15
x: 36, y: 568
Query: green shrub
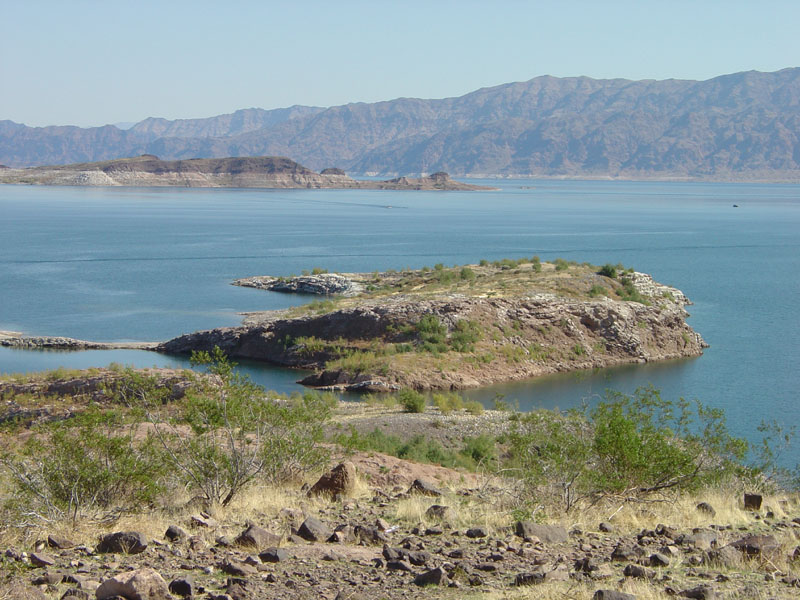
x: 432, y: 334
x: 536, y: 264
x: 561, y: 264
x: 318, y: 271
x: 464, y: 336
x: 474, y: 407
x: 629, y: 293
x: 597, y: 290
x: 411, y: 400
x: 608, y: 270
x: 467, y: 274
x: 90, y: 461
x: 447, y: 402
x: 237, y: 434
x: 628, y: 446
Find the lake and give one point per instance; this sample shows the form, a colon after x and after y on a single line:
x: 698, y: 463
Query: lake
x: 149, y: 264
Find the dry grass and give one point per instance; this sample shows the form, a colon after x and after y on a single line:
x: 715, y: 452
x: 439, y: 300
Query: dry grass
x: 464, y: 512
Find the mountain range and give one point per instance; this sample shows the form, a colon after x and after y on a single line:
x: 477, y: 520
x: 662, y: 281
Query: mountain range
x: 743, y: 126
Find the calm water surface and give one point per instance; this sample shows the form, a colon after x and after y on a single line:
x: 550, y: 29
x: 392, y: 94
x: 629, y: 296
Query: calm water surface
x: 149, y: 264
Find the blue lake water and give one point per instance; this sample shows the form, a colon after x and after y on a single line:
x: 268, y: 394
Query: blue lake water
x: 149, y: 264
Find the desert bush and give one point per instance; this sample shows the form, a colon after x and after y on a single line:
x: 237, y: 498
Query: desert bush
x: 411, y: 400
x: 432, y: 334
x: 91, y: 461
x: 597, y: 290
x: 561, y: 264
x: 608, y: 270
x: 465, y: 333
x: 474, y: 407
x: 467, y: 274
x: 447, y: 402
x: 627, y: 446
x: 237, y: 434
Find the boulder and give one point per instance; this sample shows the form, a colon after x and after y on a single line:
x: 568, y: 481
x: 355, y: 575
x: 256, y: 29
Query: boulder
x: 549, y: 534
x: 425, y: 488
x: 182, y: 586
x: 175, y: 533
x: 706, y: 508
x: 757, y: 545
x: 258, y: 538
x: 436, y: 576
x: 59, y: 543
x: 141, y: 584
x: 124, y: 542
x: 314, y: 530
x: 273, y: 555
x: 339, y: 481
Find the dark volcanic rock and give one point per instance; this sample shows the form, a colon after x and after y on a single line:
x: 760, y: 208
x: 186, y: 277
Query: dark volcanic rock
x: 314, y: 530
x: 125, y: 542
x: 340, y: 480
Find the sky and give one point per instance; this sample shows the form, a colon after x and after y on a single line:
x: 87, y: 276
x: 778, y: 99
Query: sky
x: 88, y: 63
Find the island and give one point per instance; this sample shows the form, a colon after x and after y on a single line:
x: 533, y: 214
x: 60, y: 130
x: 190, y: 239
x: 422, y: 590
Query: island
x: 148, y: 170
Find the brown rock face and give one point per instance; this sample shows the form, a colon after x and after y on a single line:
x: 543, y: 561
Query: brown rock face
x: 340, y: 480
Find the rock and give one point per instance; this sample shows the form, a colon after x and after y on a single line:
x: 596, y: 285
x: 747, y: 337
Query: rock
x: 75, y: 594
x: 625, y: 551
x: 706, y: 508
x: 560, y: 573
x: 420, y: 486
x: 141, y: 584
x: 369, y: 535
x: 258, y: 538
x: 438, y: 511
x: 757, y: 545
x: 727, y: 556
x: 435, y: 576
x: 605, y: 527
x: 273, y: 555
x: 702, y: 539
x: 752, y: 501
x: 314, y: 530
x: 701, y: 592
x: 124, y: 542
x: 49, y: 578
x: 17, y: 590
x: 175, y: 533
x: 638, y: 571
x: 237, y: 568
x: 612, y: 595
x: 659, y: 560
x: 477, y: 532
x: 399, y: 565
x: 549, y: 534
x: 204, y: 521
x: 59, y: 543
x: 341, y: 480
x: 40, y: 559
x: 182, y: 586
x: 529, y: 578
x: 418, y: 558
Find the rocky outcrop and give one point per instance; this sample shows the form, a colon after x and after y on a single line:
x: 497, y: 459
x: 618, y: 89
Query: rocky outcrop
x: 520, y: 338
x: 13, y: 339
x: 326, y: 284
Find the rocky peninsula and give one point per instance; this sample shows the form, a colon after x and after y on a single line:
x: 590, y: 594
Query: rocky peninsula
x: 459, y: 327
x: 148, y: 170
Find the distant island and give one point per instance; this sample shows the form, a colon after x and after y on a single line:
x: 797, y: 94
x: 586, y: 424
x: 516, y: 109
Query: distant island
x: 233, y: 172
x: 736, y: 127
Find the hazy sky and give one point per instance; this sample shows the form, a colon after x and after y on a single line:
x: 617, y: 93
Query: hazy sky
x: 86, y: 62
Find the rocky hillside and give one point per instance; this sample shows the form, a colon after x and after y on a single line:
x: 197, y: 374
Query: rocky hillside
x: 743, y: 126
x: 461, y: 327
x: 247, y: 172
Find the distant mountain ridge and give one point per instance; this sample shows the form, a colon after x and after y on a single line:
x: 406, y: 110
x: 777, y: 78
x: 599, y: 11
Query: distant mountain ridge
x: 743, y: 126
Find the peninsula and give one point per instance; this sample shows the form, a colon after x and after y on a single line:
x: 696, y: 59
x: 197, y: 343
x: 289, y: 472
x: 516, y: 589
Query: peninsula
x: 235, y: 172
x: 459, y: 327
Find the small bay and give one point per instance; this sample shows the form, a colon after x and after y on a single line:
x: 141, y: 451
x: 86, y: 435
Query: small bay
x: 111, y: 264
